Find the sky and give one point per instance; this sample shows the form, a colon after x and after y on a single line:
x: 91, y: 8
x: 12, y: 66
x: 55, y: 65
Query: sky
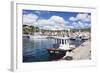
x: 56, y: 20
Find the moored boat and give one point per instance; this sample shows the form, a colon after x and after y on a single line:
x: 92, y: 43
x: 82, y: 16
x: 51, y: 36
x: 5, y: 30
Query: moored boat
x: 63, y: 49
x: 55, y: 54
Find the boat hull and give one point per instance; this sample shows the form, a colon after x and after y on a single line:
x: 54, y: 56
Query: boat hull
x: 56, y: 54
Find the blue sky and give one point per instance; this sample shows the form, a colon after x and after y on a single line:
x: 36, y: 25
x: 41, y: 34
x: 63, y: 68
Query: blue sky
x: 55, y: 20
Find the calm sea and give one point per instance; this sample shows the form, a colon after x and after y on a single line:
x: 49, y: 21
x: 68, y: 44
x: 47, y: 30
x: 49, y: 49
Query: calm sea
x: 35, y: 50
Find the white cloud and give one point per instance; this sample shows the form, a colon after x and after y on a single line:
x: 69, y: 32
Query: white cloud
x: 81, y: 20
x: 87, y: 25
x: 71, y: 27
x: 57, y: 22
x: 53, y: 23
x: 75, y: 24
x: 72, y: 19
x: 49, y: 24
x: 45, y: 22
x: 58, y: 19
x: 29, y: 19
x: 48, y: 27
x: 88, y: 18
x: 84, y: 17
x: 80, y: 24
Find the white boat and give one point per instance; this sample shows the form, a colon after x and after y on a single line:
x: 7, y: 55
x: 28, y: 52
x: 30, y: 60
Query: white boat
x: 64, y: 49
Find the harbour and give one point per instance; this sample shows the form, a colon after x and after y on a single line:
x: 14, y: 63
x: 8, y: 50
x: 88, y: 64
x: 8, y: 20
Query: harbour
x: 56, y: 36
x: 36, y: 49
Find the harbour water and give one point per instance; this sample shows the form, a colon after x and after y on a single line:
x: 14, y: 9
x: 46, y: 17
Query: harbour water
x: 35, y: 50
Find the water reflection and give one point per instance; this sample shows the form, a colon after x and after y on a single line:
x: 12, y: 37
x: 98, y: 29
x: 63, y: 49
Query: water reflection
x: 35, y: 50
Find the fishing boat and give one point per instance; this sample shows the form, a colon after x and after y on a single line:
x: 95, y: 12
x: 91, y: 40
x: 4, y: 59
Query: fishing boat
x: 64, y: 48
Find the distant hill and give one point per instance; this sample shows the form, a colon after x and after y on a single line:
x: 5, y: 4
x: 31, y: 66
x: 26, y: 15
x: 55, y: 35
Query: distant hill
x: 82, y: 30
x: 31, y: 29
